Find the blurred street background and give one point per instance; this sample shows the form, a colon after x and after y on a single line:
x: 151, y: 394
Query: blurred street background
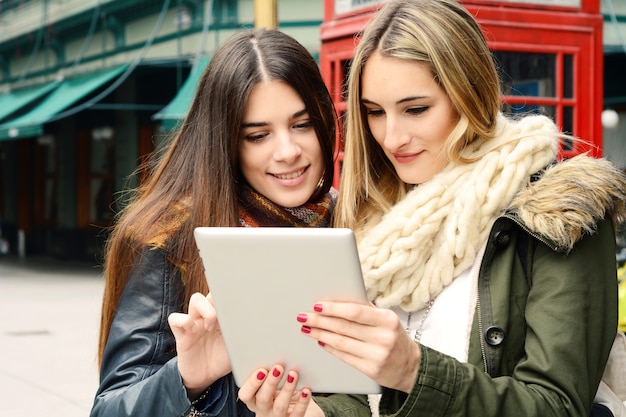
x: 49, y: 318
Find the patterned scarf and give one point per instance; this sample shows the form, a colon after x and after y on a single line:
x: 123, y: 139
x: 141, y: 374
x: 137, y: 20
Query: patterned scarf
x: 434, y: 234
x: 256, y: 210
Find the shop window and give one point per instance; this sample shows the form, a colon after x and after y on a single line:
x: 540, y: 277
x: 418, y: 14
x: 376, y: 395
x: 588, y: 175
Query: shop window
x: 46, y: 183
x: 96, y: 177
x: 102, y: 176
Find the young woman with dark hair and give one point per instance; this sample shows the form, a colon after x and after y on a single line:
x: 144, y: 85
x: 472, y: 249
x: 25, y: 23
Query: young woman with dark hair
x: 256, y: 149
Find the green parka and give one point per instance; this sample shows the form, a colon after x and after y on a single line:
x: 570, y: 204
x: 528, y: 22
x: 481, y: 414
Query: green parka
x: 546, y: 313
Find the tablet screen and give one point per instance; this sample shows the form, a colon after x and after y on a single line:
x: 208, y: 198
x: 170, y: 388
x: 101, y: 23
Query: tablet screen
x: 261, y: 278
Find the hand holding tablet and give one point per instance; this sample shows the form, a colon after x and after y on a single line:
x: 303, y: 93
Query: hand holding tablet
x: 262, y: 278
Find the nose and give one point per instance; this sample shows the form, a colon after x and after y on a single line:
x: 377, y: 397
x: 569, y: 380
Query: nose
x: 287, y: 149
x: 396, y: 135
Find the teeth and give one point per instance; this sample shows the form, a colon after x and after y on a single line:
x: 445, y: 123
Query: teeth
x: 290, y: 176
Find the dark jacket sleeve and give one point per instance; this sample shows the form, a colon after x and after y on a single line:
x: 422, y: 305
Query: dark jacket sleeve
x: 139, y: 372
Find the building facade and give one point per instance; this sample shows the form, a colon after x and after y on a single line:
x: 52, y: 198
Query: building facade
x: 88, y: 89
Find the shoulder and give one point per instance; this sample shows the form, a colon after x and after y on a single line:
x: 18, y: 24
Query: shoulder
x: 569, y: 199
x: 156, y: 277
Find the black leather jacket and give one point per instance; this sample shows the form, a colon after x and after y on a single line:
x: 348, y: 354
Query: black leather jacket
x: 139, y: 372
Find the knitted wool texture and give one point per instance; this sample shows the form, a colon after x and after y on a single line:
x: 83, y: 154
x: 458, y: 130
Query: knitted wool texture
x: 256, y: 210
x: 435, y: 232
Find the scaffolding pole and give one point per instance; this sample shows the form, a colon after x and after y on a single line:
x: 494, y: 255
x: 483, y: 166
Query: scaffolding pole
x: 266, y: 14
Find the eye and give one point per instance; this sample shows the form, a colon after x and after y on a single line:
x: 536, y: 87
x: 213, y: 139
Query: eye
x: 374, y: 112
x: 303, y: 125
x: 417, y: 110
x: 254, y: 137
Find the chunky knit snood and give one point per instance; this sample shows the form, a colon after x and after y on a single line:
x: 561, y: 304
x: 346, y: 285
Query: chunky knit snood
x: 434, y: 234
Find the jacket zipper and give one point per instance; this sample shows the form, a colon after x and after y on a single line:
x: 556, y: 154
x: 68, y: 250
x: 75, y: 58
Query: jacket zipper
x: 483, y: 349
x: 537, y: 237
x: 480, y: 332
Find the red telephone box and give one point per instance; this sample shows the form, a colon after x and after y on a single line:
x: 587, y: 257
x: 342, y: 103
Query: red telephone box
x: 549, y: 52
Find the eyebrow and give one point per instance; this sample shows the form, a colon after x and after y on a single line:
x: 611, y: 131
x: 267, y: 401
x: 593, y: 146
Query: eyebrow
x: 260, y: 124
x: 404, y: 100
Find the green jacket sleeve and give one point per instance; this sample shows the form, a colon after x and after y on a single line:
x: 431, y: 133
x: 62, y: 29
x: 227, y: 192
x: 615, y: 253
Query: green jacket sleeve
x: 570, y: 320
x: 344, y: 405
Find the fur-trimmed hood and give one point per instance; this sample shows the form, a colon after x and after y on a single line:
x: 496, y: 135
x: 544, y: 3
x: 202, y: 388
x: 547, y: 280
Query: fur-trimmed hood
x: 435, y: 232
x: 569, y: 199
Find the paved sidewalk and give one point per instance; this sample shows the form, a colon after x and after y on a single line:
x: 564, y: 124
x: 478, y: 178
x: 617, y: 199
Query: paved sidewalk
x: 49, y: 318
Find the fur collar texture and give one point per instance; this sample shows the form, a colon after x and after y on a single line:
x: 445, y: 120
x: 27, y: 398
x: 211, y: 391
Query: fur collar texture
x: 436, y: 231
x: 570, y: 198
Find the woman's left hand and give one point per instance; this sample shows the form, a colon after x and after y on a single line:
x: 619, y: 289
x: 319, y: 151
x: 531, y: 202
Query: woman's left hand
x: 368, y: 338
x: 200, y: 348
x: 261, y: 395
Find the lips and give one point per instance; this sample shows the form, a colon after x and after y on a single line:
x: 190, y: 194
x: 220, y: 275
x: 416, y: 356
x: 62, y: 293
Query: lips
x: 405, y: 158
x: 290, y: 175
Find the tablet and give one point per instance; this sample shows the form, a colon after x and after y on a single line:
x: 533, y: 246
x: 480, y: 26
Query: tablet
x: 261, y: 278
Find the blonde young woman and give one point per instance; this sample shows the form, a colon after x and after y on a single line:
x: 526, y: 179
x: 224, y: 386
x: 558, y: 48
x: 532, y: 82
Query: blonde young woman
x: 491, y: 267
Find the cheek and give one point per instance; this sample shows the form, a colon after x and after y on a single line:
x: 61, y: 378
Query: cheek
x: 246, y: 161
x: 312, y: 145
x: 438, y: 132
x: 377, y: 128
x: 317, y: 157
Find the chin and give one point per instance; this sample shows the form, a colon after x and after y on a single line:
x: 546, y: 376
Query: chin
x: 289, y: 202
x: 408, y: 179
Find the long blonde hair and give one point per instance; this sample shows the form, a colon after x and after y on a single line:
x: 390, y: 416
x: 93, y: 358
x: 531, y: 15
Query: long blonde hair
x: 445, y: 37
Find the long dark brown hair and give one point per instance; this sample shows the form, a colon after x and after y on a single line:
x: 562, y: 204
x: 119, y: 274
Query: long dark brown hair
x: 196, y: 180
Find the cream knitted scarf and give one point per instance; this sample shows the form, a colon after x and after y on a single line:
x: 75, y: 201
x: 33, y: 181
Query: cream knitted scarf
x: 435, y: 232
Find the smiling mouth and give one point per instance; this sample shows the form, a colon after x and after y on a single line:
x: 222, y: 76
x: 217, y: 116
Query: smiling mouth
x: 403, y: 158
x: 291, y: 175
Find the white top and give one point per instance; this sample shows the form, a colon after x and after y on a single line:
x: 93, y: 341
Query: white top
x: 448, y: 325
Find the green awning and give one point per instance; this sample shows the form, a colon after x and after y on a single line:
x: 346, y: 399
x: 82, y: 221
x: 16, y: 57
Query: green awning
x: 177, y: 110
x: 68, y: 93
x: 15, y: 100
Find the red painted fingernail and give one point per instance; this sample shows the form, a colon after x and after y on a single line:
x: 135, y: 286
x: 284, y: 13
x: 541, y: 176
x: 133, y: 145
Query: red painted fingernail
x: 317, y: 307
x: 290, y: 378
x: 322, y: 344
x: 306, y: 329
x: 302, y: 318
x: 260, y: 375
x: 276, y: 372
x: 305, y: 394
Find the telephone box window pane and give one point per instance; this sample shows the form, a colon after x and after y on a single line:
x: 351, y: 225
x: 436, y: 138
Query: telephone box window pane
x: 527, y: 74
x: 517, y: 109
x: 568, y: 127
x: 568, y: 76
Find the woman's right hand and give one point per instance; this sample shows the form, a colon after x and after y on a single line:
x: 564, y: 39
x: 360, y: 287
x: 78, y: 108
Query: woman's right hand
x: 202, y: 356
x: 366, y: 337
x: 261, y: 395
